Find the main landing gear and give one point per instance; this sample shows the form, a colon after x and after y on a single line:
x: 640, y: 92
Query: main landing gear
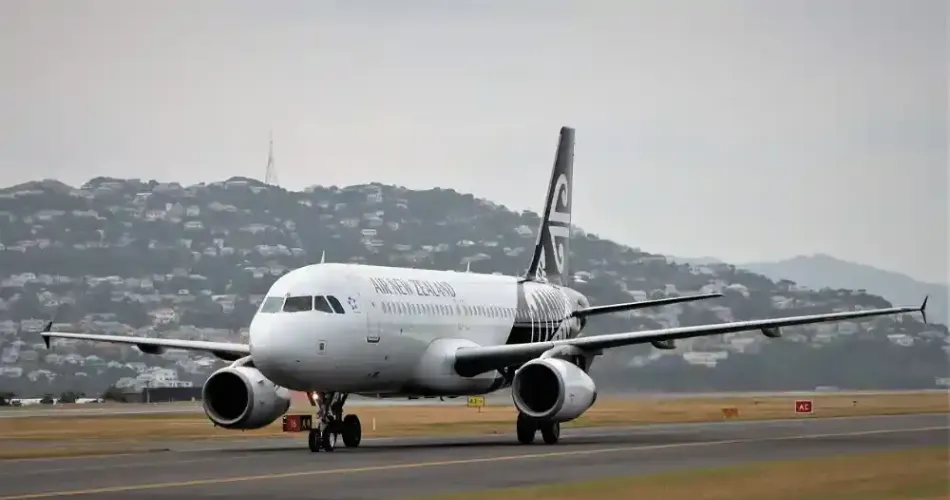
x: 527, y: 428
x: 333, y: 424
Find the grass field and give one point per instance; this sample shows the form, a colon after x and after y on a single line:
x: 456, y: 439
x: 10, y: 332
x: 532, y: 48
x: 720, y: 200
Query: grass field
x: 919, y: 474
x: 73, y: 434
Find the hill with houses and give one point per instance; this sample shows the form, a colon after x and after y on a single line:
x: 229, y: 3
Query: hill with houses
x: 134, y: 257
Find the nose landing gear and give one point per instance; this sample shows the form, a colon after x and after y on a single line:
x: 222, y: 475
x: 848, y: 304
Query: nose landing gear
x: 527, y: 428
x: 333, y: 424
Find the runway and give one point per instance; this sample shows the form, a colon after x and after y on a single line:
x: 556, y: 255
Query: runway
x: 405, y: 467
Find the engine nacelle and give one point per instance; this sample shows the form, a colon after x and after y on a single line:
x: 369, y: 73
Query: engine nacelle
x: 552, y: 389
x: 240, y: 397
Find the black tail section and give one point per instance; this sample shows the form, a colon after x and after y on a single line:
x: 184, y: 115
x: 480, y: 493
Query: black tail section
x: 551, y: 258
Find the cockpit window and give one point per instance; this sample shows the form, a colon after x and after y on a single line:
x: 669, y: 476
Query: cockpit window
x: 298, y: 304
x: 337, y: 307
x: 272, y: 304
x: 320, y: 304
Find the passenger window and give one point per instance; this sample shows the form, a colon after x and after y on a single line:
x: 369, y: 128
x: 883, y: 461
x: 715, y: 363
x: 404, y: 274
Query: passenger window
x: 272, y: 304
x: 320, y: 304
x: 337, y: 307
x: 298, y: 304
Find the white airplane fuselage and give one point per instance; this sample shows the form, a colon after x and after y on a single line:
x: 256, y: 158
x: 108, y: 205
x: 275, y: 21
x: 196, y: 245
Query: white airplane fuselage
x: 396, y: 326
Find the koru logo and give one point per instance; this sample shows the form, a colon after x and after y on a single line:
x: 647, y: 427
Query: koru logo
x: 352, y: 302
x: 559, y: 223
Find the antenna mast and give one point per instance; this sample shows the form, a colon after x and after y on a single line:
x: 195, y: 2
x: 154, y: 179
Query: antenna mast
x: 270, y: 177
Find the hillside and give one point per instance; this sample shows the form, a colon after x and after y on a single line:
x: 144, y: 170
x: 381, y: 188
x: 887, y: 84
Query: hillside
x: 820, y: 270
x: 133, y: 257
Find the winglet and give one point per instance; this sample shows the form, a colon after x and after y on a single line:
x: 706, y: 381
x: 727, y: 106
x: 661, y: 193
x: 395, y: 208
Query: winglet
x: 47, y: 329
x: 923, y: 308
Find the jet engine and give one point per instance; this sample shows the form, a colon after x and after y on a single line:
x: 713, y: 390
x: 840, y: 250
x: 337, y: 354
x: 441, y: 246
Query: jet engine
x: 240, y: 397
x: 552, y: 389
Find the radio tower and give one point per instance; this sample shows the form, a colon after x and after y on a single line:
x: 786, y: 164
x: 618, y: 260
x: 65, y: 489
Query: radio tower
x: 271, y: 176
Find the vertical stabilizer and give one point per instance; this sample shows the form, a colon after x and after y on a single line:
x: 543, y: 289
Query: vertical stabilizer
x: 550, y: 261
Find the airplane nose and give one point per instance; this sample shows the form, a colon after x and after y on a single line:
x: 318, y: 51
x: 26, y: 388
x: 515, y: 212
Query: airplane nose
x: 274, y: 352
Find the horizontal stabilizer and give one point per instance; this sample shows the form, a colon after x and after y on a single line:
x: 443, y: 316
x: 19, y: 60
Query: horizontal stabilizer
x: 629, y: 306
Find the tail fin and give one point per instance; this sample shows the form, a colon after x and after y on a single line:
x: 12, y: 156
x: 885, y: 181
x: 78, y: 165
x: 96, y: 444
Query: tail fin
x: 551, y: 258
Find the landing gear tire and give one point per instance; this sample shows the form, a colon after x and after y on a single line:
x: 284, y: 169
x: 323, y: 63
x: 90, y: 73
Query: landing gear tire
x: 550, y: 432
x: 352, y: 431
x: 526, y: 429
x: 328, y: 439
x: 314, y: 441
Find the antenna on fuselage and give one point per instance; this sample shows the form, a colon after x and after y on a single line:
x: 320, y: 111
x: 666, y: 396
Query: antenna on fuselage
x: 323, y: 257
x: 468, y: 266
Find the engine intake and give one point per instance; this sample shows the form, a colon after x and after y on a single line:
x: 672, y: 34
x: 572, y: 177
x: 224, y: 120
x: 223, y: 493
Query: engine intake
x: 552, y: 389
x: 242, y: 398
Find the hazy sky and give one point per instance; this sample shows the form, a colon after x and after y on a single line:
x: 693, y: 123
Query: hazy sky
x: 745, y: 130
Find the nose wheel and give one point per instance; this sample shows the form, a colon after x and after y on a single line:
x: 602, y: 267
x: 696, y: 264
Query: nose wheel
x: 334, y: 425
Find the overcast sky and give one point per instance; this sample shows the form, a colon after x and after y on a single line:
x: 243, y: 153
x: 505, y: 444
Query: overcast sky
x: 745, y: 130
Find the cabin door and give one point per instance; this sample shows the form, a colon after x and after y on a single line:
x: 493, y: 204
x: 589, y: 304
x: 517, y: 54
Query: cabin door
x: 374, y: 321
x: 376, y: 346
x: 460, y: 315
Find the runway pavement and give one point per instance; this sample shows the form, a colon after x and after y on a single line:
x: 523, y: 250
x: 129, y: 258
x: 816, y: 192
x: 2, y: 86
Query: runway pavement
x: 402, y: 468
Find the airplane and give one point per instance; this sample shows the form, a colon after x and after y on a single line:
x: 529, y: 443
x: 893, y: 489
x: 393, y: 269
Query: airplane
x: 335, y: 329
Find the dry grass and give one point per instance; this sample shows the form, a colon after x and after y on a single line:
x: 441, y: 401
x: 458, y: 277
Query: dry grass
x: 919, y: 474
x: 111, y: 430
x: 46, y: 452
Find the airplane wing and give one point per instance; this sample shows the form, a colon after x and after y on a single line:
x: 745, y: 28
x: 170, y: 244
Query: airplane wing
x: 629, y: 306
x: 471, y: 361
x: 151, y: 345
